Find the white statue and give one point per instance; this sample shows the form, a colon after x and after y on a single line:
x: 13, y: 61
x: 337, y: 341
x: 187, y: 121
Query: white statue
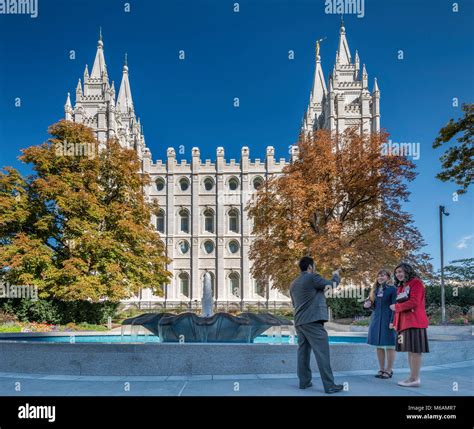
x: 207, y: 300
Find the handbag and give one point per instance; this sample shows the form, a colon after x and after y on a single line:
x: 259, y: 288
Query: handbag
x: 403, y: 296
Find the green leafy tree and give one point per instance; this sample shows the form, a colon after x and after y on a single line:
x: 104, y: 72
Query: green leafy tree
x: 79, y: 228
x: 458, y: 272
x: 458, y: 161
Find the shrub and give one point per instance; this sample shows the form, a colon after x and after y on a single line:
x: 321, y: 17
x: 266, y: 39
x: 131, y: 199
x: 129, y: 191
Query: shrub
x: 251, y: 308
x: 27, y: 310
x: 361, y: 321
x: 459, y: 321
x: 346, y: 307
x: 284, y: 312
x: 452, y: 312
x: 128, y: 313
x: 59, y: 312
x: 234, y: 309
x: 462, y: 297
x: 7, y: 318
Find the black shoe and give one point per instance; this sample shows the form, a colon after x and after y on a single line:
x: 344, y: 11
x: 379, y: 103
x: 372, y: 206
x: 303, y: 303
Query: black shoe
x: 334, y: 389
x: 305, y: 387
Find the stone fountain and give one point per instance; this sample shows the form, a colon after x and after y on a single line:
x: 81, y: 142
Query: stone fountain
x: 208, y: 327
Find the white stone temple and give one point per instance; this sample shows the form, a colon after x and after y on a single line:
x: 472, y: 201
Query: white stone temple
x: 348, y: 103
x: 202, y: 218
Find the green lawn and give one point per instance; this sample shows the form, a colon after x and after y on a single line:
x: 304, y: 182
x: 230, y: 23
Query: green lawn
x: 10, y: 328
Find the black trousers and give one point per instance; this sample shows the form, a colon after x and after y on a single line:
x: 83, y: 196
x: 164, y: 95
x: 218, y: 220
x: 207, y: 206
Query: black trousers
x: 313, y: 336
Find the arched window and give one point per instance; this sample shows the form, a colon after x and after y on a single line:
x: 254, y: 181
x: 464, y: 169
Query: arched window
x: 234, y: 246
x: 257, y: 183
x: 160, y: 221
x: 234, y: 283
x: 208, y: 184
x: 208, y: 246
x: 184, y: 184
x: 184, y: 284
x: 209, y: 220
x: 260, y: 288
x: 233, y: 184
x: 234, y: 220
x: 183, y: 247
x: 184, y: 221
x: 160, y: 184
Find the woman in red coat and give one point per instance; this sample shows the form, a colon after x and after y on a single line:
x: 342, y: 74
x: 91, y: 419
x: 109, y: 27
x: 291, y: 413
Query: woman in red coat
x: 410, y: 320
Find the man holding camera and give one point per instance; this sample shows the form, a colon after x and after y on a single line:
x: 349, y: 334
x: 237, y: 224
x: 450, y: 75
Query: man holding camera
x: 311, y: 312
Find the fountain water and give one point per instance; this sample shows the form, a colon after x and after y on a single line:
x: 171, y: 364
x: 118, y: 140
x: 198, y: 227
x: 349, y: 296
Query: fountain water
x: 207, y: 300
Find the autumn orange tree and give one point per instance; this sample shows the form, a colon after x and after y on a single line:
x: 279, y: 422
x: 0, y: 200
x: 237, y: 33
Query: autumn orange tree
x: 79, y: 227
x: 340, y: 202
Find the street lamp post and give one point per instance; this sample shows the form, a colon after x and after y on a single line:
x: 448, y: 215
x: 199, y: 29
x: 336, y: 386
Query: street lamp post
x: 165, y: 287
x: 442, y: 211
x: 267, y: 293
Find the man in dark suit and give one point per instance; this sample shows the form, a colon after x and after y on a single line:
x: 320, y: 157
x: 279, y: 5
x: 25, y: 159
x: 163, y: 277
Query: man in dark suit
x: 311, y: 311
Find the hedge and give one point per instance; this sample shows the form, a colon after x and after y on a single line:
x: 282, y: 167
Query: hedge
x: 351, y: 307
x: 59, y: 312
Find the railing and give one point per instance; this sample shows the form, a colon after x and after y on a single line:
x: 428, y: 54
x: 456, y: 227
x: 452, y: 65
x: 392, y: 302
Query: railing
x: 226, y: 306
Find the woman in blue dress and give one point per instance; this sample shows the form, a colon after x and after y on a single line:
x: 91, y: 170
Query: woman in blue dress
x: 382, y: 334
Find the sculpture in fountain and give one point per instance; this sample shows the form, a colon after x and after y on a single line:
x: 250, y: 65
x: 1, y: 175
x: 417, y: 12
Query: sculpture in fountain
x: 209, y: 327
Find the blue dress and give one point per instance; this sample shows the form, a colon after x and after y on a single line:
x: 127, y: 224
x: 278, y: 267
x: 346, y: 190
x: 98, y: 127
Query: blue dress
x: 379, y: 332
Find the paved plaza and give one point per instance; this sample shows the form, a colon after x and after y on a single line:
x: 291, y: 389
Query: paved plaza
x: 455, y: 379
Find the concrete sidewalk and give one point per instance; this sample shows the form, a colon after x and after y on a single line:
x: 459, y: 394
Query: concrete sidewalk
x: 443, y: 380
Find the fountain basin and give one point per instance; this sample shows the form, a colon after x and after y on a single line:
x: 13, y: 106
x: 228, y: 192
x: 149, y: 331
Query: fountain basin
x: 219, y: 328
x: 175, y: 359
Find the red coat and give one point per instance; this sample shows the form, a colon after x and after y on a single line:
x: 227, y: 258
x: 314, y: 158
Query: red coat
x: 411, y: 313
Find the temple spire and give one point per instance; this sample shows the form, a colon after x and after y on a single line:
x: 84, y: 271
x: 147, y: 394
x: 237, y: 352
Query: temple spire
x: 376, y: 87
x: 343, y: 53
x: 68, y: 108
x: 318, y: 92
x: 357, y: 62
x: 124, y: 100
x: 365, y: 77
x: 79, y: 88
x: 99, y: 67
x: 319, y: 85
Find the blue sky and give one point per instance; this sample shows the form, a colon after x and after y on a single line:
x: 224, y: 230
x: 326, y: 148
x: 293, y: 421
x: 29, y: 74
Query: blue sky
x: 245, y: 55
